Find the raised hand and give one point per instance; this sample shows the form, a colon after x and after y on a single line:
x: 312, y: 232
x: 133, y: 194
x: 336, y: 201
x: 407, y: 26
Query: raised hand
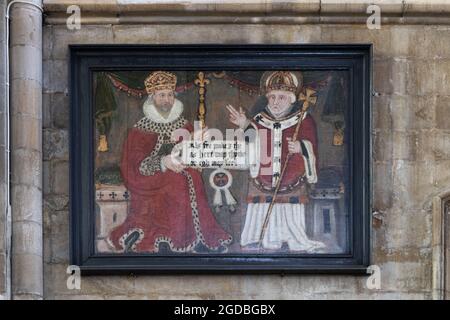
x: 237, y: 118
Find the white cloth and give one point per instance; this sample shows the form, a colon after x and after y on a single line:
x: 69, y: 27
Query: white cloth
x: 286, y: 224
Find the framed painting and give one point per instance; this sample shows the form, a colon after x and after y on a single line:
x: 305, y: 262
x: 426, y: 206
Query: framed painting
x: 220, y: 158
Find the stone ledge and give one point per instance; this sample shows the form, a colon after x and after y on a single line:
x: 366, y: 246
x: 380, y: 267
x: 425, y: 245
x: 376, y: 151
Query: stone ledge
x: 249, y: 12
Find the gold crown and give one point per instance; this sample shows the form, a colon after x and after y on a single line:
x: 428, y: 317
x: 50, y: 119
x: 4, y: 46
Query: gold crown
x: 282, y: 80
x: 160, y: 80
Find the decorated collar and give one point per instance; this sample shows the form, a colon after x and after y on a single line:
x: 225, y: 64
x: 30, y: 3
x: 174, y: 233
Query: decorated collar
x: 267, y: 121
x: 145, y: 124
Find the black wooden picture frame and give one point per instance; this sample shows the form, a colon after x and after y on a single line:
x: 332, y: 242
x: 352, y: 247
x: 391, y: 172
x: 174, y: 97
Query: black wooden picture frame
x: 87, y: 59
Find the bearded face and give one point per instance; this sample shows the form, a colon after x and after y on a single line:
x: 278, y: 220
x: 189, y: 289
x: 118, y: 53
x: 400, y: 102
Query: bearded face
x: 164, y: 100
x: 280, y: 102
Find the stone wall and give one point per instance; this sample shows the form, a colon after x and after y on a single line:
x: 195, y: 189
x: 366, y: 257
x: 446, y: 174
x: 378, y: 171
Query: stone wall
x: 3, y: 260
x: 411, y: 160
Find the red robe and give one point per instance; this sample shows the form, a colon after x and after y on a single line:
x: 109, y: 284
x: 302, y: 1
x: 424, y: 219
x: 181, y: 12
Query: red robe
x: 166, y: 206
x: 296, y: 165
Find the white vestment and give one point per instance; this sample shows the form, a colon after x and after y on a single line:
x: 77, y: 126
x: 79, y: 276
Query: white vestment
x: 286, y: 224
x: 287, y: 220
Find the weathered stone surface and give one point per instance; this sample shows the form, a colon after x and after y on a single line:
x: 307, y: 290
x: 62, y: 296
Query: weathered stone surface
x: 433, y: 42
x: 394, y: 6
x: 26, y: 210
x: 2, y: 164
x: 28, y: 94
x: 46, y: 177
x: 56, y: 202
x: 291, y: 34
x: 433, y: 145
x: 75, y: 297
x: 310, y: 285
x: 442, y: 109
x: 21, y: 137
x: 27, y: 296
x: 425, y: 111
x: 3, y: 259
x: 401, y: 112
x: 25, y: 106
x: 229, y: 34
x: 2, y: 130
x: 55, y: 76
x: 381, y: 38
x: 391, y: 75
x: 3, y: 199
x: 60, y: 178
x: 2, y: 27
x: 60, y: 110
x: 185, y: 284
x: 63, y: 37
x: 46, y: 110
x: 59, y: 236
x: 88, y: 5
x: 427, y: 77
x: 96, y: 286
x: 2, y: 273
x: 26, y: 63
x: 405, y: 145
x: 28, y: 275
x: 382, y: 114
x: 57, y: 144
x: 26, y: 161
x: 442, y: 175
x: 426, y: 6
x: 376, y: 295
x: 383, y: 145
x: 27, y: 29
x: 382, y: 186
x: 47, y: 42
x: 405, y: 277
x: 413, y: 183
x: 407, y: 229
x: 27, y: 238
x: 133, y: 297
x: 3, y: 235
x: 400, y: 44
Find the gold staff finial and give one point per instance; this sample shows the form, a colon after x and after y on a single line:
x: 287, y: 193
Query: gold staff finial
x: 201, y: 82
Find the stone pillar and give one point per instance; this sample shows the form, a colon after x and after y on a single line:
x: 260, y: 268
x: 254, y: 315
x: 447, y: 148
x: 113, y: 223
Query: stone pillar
x: 26, y: 150
x: 3, y: 255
